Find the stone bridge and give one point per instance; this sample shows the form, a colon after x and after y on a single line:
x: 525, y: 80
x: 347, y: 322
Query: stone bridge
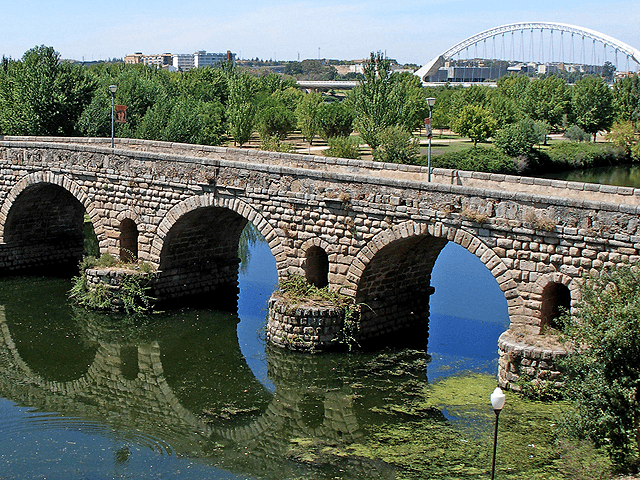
x: 371, y: 231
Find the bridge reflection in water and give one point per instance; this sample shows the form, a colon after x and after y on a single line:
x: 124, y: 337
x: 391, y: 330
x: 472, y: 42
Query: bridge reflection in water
x: 189, y: 390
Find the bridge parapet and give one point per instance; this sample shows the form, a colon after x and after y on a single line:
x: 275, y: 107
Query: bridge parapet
x: 352, y: 170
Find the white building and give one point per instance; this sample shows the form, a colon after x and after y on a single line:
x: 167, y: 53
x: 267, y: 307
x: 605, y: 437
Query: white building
x: 183, y: 61
x: 201, y: 59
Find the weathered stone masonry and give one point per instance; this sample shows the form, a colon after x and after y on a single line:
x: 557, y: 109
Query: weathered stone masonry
x: 379, y: 226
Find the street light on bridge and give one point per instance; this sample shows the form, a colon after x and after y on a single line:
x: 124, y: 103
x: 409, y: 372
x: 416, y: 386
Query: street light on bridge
x: 431, y: 102
x: 112, y: 89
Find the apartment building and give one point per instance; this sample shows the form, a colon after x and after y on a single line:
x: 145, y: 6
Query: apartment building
x: 160, y: 61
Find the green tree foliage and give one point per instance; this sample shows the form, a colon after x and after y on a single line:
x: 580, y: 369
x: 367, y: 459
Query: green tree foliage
x: 548, y: 100
x: 592, y: 105
x: 604, y: 368
x: 385, y: 100
x: 513, y: 87
x: 335, y: 119
x: 608, y: 72
x: 576, y: 134
x: 479, y: 159
x: 517, y: 139
x: 396, y: 146
x: 307, y: 113
x: 40, y: 95
x: 474, y: 122
x: 477, y: 96
x: 241, y: 107
x: 374, y: 104
x: 412, y: 98
x: 274, y: 119
x: 505, y: 110
x: 342, y: 147
x: 311, y: 70
x: 204, y: 84
x: 139, y: 88
x: 623, y: 135
x: 626, y: 92
x: 440, y: 113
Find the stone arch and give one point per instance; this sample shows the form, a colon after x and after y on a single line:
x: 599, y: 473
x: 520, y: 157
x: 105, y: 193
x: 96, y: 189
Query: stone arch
x: 128, y: 240
x: 60, y: 180
x: 318, y: 262
x: 236, y: 205
x: 552, y: 292
x: 429, y: 239
x: 408, y: 229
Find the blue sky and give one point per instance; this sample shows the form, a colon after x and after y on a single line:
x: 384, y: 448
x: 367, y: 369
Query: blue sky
x: 410, y: 31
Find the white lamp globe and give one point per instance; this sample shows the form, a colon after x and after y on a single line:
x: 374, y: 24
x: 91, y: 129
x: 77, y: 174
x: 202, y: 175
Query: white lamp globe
x: 497, y: 399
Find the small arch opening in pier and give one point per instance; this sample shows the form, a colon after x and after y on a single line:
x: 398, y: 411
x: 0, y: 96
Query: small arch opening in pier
x: 317, y: 267
x: 129, y: 366
x: 128, y: 240
x: 556, y: 299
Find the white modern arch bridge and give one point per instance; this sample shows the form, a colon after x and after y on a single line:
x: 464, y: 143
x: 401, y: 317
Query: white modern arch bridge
x: 494, y: 44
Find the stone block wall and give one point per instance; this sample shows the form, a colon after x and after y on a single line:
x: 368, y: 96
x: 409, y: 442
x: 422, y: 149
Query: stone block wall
x: 307, y: 328
x: 529, y: 358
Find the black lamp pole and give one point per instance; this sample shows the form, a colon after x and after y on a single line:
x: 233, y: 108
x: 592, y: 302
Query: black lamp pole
x: 497, y: 402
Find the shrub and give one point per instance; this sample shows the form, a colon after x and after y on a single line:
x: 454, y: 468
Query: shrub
x: 518, y: 138
x: 603, y: 371
x: 576, y: 134
x: 274, y: 144
x: 480, y: 159
x: 335, y: 119
x: 572, y: 155
x: 274, y: 120
x: 396, y: 146
x: 343, y: 147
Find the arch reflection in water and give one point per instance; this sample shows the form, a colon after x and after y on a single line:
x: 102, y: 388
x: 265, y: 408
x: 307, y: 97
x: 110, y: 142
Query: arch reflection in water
x: 179, y: 384
x: 175, y: 385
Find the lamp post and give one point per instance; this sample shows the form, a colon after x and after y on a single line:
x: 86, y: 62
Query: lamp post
x: 112, y: 89
x: 497, y: 402
x: 431, y: 102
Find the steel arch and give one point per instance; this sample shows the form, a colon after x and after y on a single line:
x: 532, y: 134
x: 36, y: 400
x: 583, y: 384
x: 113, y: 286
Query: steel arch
x: 429, y: 68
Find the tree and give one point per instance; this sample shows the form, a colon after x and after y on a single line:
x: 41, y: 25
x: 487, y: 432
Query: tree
x: 374, y: 101
x: 335, y: 119
x: 479, y: 96
x: 307, y: 113
x: 518, y: 138
x: 548, y: 100
x: 274, y: 119
x: 604, y: 367
x: 396, y: 146
x: 623, y: 135
x: 241, y: 107
x: 474, y: 122
x: 412, y: 99
x: 592, y: 105
x: 514, y: 86
x: 608, y: 72
x: 626, y: 92
x: 40, y: 95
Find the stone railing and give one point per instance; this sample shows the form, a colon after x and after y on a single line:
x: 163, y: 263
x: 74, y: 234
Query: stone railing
x: 453, y: 179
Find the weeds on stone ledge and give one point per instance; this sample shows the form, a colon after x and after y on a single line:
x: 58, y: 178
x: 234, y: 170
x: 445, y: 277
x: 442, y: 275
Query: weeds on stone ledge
x: 130, y: 296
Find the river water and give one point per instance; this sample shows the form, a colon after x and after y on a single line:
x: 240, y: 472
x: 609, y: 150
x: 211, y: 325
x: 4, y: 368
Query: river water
x: 620, y: 175
x: 198, y: 394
